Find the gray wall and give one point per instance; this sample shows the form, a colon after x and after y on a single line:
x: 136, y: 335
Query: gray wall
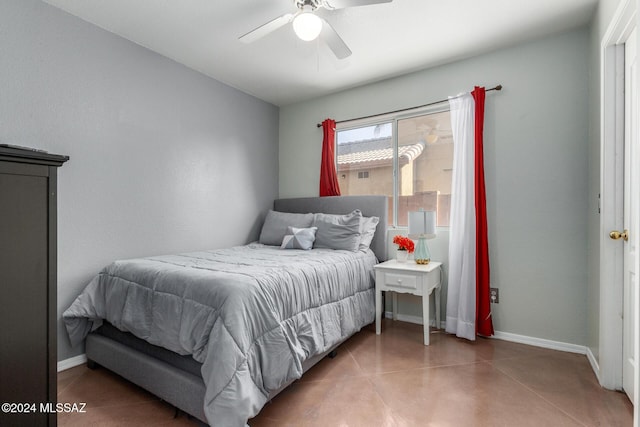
x: 536, y: 159
x: 163, y: 159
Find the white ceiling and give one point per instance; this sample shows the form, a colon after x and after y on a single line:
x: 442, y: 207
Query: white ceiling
x: 386, y: 39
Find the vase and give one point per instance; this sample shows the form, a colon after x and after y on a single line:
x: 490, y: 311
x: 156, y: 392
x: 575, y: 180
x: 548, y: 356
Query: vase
x: 422, y: 255
x: 402, y: 255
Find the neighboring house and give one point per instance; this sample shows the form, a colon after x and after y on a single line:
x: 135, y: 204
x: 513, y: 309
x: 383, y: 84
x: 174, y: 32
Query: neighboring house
x: 424, y: 178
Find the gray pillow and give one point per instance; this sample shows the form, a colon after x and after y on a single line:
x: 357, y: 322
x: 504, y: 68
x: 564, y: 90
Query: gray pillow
x: 367, y: 230
x: 299, y: 238
x: 276, y: 224
x: 338, y: 231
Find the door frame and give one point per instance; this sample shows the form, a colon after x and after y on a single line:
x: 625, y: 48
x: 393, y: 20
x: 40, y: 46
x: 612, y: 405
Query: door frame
x: 609, y: 368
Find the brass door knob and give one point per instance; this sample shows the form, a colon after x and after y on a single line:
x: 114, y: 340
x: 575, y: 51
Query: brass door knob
x: 615, y: 235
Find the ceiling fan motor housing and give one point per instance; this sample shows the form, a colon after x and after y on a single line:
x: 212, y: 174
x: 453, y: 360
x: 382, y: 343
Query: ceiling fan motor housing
x: 313, y: 3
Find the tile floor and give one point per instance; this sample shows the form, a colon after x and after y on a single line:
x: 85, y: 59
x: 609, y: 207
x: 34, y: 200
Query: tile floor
x: 392, y: 380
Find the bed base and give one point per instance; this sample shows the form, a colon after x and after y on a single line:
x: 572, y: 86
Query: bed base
x: 172, y: 384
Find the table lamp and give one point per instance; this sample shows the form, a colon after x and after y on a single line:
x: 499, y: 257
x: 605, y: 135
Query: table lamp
x: 422, y: 225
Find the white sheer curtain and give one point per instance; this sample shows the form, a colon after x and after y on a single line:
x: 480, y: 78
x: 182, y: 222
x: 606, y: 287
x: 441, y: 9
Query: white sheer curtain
x: 461, y: 295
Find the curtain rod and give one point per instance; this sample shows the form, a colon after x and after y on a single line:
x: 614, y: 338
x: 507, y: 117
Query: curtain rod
x: 498, y: 87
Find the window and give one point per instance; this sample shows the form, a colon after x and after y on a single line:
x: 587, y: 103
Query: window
x: 409, y: 159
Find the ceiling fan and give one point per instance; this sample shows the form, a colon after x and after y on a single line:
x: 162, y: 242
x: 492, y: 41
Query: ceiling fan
x: 308, y: 25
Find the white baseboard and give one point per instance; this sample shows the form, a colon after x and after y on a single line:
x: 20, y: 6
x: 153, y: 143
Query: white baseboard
x: 594, y: 364
x: 72, y: 362
x: 540, y: 342
x: 522, y: 339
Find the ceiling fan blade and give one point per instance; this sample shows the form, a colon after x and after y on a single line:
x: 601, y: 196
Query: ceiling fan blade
x: 265, y: 29
x: 341, y: 4
x: 333, y: 40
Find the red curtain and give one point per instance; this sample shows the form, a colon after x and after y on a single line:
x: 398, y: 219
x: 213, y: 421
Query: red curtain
x: 484, y: 323
x: 328, y: 177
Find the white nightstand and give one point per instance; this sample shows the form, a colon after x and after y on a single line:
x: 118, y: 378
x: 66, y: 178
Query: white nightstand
x: 410, y: 278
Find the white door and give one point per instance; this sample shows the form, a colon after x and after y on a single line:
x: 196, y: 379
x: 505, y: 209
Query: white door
x: 631, y: 214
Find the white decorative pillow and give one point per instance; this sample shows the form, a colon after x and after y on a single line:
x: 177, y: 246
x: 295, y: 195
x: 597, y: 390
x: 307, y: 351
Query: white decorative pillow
x: 367, y: 230
x: 299, y: 238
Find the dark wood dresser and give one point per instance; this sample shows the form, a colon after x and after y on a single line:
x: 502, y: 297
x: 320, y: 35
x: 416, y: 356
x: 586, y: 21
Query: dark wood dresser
x: 28, y: 270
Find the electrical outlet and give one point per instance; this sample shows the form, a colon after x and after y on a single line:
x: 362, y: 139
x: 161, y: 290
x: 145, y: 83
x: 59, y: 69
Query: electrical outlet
x: 495, y: 295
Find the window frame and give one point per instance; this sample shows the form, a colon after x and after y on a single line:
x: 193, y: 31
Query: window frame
x: 392, y: 118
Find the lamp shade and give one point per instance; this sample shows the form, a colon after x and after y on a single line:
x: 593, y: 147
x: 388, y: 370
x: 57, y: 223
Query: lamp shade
x: 422, y: 224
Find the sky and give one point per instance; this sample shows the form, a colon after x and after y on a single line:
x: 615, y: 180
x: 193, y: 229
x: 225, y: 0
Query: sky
x: 363, y: 133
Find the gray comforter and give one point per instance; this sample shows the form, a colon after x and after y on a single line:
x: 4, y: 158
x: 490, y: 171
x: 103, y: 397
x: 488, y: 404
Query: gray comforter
x: 250, y: 314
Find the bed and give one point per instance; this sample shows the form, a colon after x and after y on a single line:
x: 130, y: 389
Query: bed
x: 220, y: 352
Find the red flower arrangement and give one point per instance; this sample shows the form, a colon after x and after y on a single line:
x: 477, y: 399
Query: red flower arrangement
x: 404, y: 243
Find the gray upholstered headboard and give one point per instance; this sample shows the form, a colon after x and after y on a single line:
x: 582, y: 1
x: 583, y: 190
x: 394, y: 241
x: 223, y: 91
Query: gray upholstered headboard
x: 368, y: 205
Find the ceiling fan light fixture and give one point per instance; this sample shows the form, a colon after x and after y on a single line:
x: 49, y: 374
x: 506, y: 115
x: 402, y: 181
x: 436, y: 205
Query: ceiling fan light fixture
x: 307, y: 25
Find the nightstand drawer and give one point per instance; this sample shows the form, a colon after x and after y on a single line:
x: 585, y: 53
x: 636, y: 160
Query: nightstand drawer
x: 401, y: 280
